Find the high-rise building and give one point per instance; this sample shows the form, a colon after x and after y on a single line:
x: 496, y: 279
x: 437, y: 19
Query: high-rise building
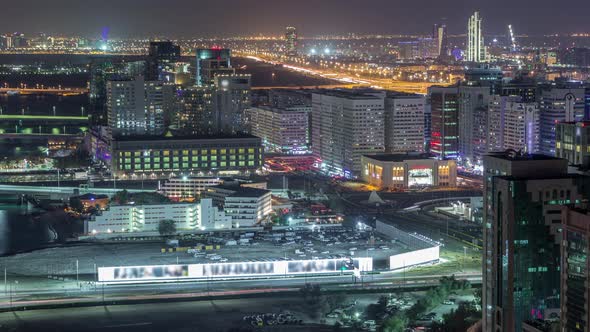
x: 291, y: 41
x: 444, y: 103
x: 575, y: 267
x: 558, y: 104
x: 404, y: 122
x: 212, y: 62
x: 346, y: 124
x: 523, y: 195
x: 512, y: 125
x: 476, y: 50
x: 231, y: 97
x: 440, y: 34
x: 194, y: 111
x: 282, y: 130
x: 572, y: 142
x: 473, y: 107
x: 161, y: 59
x: 136, y: 106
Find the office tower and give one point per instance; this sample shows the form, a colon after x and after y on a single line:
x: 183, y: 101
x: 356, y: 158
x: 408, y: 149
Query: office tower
x: 473, y: 106
x: 572, y: 142
x: 194, y: 111
x: 476, y: 50
x: 575, y: 267
x: 558, y: 104
x: 136, y: 106
x: 524, y: 87
x: 283, y: 98
x: 346, y: 124
x: 231, y: 97
x: 427, y: 124
x: 161, y: 59
x: 523, y: 195
x: 512, y: 125
x: 282, y: 130
x: 404, y: 122
x: 291, y: 41
x: 212, y: 62
x: 444, y: 102
x: 442, y: 40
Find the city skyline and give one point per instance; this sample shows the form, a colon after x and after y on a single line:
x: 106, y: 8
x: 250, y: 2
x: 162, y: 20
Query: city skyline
x: 202, y: 19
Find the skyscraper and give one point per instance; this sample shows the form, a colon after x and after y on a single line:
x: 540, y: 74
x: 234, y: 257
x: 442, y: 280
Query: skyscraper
x: 472, y: 119
x: 444, y: 103
x: 442, y: 41
x: 291, y: 41
x: 161, y: 58
x: 523, y: 195
x: 558, y: 104
x: 404, y: 122
x: 512, y: 125
x: 476, y: 50
x: 231, y: 98
x: 211, y: 62
x: 346, y: 124
x: 136, y: 106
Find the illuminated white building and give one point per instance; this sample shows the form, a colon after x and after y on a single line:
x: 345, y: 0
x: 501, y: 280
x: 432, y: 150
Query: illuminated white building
x: 476, y: 50
x: 282, y: 130
x: 513, y: 125
x: 404, y: 122
x: 246, y: 206
x: 346, y: 124
x: 187, y: 187
x: 130, y: 218
x: 399, y: 171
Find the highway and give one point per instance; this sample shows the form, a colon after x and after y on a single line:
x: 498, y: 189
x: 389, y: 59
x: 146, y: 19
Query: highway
x: 61, y: 92
x: 15, y: 189
x: 98, y: 292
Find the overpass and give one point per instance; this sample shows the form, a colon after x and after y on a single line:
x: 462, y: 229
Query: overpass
x: 47, y: 91
x: 58, y: 192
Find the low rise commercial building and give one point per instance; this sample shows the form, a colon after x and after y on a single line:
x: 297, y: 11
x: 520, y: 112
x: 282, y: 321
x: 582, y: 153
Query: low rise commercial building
x: 400, y: 171
x: 246, y: 206
x: 136, y: 157
x: 129, y: 218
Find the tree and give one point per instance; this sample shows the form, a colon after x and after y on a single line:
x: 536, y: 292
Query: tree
x: 121, y: 197
x: 167, y: 227
x: 396, y: 323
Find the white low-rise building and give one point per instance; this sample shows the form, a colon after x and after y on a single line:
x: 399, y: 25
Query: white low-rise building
x: 246, y: 206
x: 146, y: 218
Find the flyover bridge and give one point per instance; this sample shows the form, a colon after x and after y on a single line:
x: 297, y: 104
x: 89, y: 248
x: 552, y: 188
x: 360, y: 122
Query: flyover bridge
x: 58, y: 192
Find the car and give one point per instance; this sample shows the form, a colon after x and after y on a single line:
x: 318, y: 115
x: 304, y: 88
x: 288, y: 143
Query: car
x: 447, y: 302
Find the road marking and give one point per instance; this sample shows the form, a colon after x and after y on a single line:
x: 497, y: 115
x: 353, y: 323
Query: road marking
x: 127, y: 325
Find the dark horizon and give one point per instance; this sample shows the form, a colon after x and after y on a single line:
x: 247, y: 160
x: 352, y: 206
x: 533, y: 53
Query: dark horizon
x: 185, y: 18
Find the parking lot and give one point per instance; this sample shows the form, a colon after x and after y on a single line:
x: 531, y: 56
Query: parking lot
x: 290, y: 244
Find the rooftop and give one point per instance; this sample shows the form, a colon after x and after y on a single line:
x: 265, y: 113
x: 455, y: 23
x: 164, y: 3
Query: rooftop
x: 516, y: 156
x: 169, y: 137
x: 398, y: 157
x: 347, y: 94
x: 239, y: 191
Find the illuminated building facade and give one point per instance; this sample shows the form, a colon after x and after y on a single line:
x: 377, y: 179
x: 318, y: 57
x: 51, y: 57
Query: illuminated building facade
x: 136, y: 106
x: 246, y: 206
x: 572, y: 142
x: 346, y: 125
x: 231, y: 97
x: 444, y: 105
x: 575, y: 267
x: 404, y: 122
x: 291, y: 41
x: 523, y: 195
x: 512, y: 125
x: 212, y: 62
x: 130, y: 218
x: 283, y: 131
x: 476, y: 49
x: 401, y: 171
x: 558, y: 104
x: 162, y: 157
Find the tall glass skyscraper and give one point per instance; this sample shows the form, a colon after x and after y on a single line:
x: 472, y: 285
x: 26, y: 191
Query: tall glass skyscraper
x: 476, y: 50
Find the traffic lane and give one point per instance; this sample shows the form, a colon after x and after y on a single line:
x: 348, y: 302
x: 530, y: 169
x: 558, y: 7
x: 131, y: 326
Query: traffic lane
x: 218, y: 315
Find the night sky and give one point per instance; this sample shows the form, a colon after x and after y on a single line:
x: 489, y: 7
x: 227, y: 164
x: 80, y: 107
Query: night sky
x: 187, y: 18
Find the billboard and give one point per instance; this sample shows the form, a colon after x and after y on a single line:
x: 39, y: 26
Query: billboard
x: 231, y: 270
x: 414, y: 258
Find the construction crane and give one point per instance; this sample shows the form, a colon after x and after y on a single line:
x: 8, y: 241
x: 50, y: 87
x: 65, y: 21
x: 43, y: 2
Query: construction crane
x: 512, y: 38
